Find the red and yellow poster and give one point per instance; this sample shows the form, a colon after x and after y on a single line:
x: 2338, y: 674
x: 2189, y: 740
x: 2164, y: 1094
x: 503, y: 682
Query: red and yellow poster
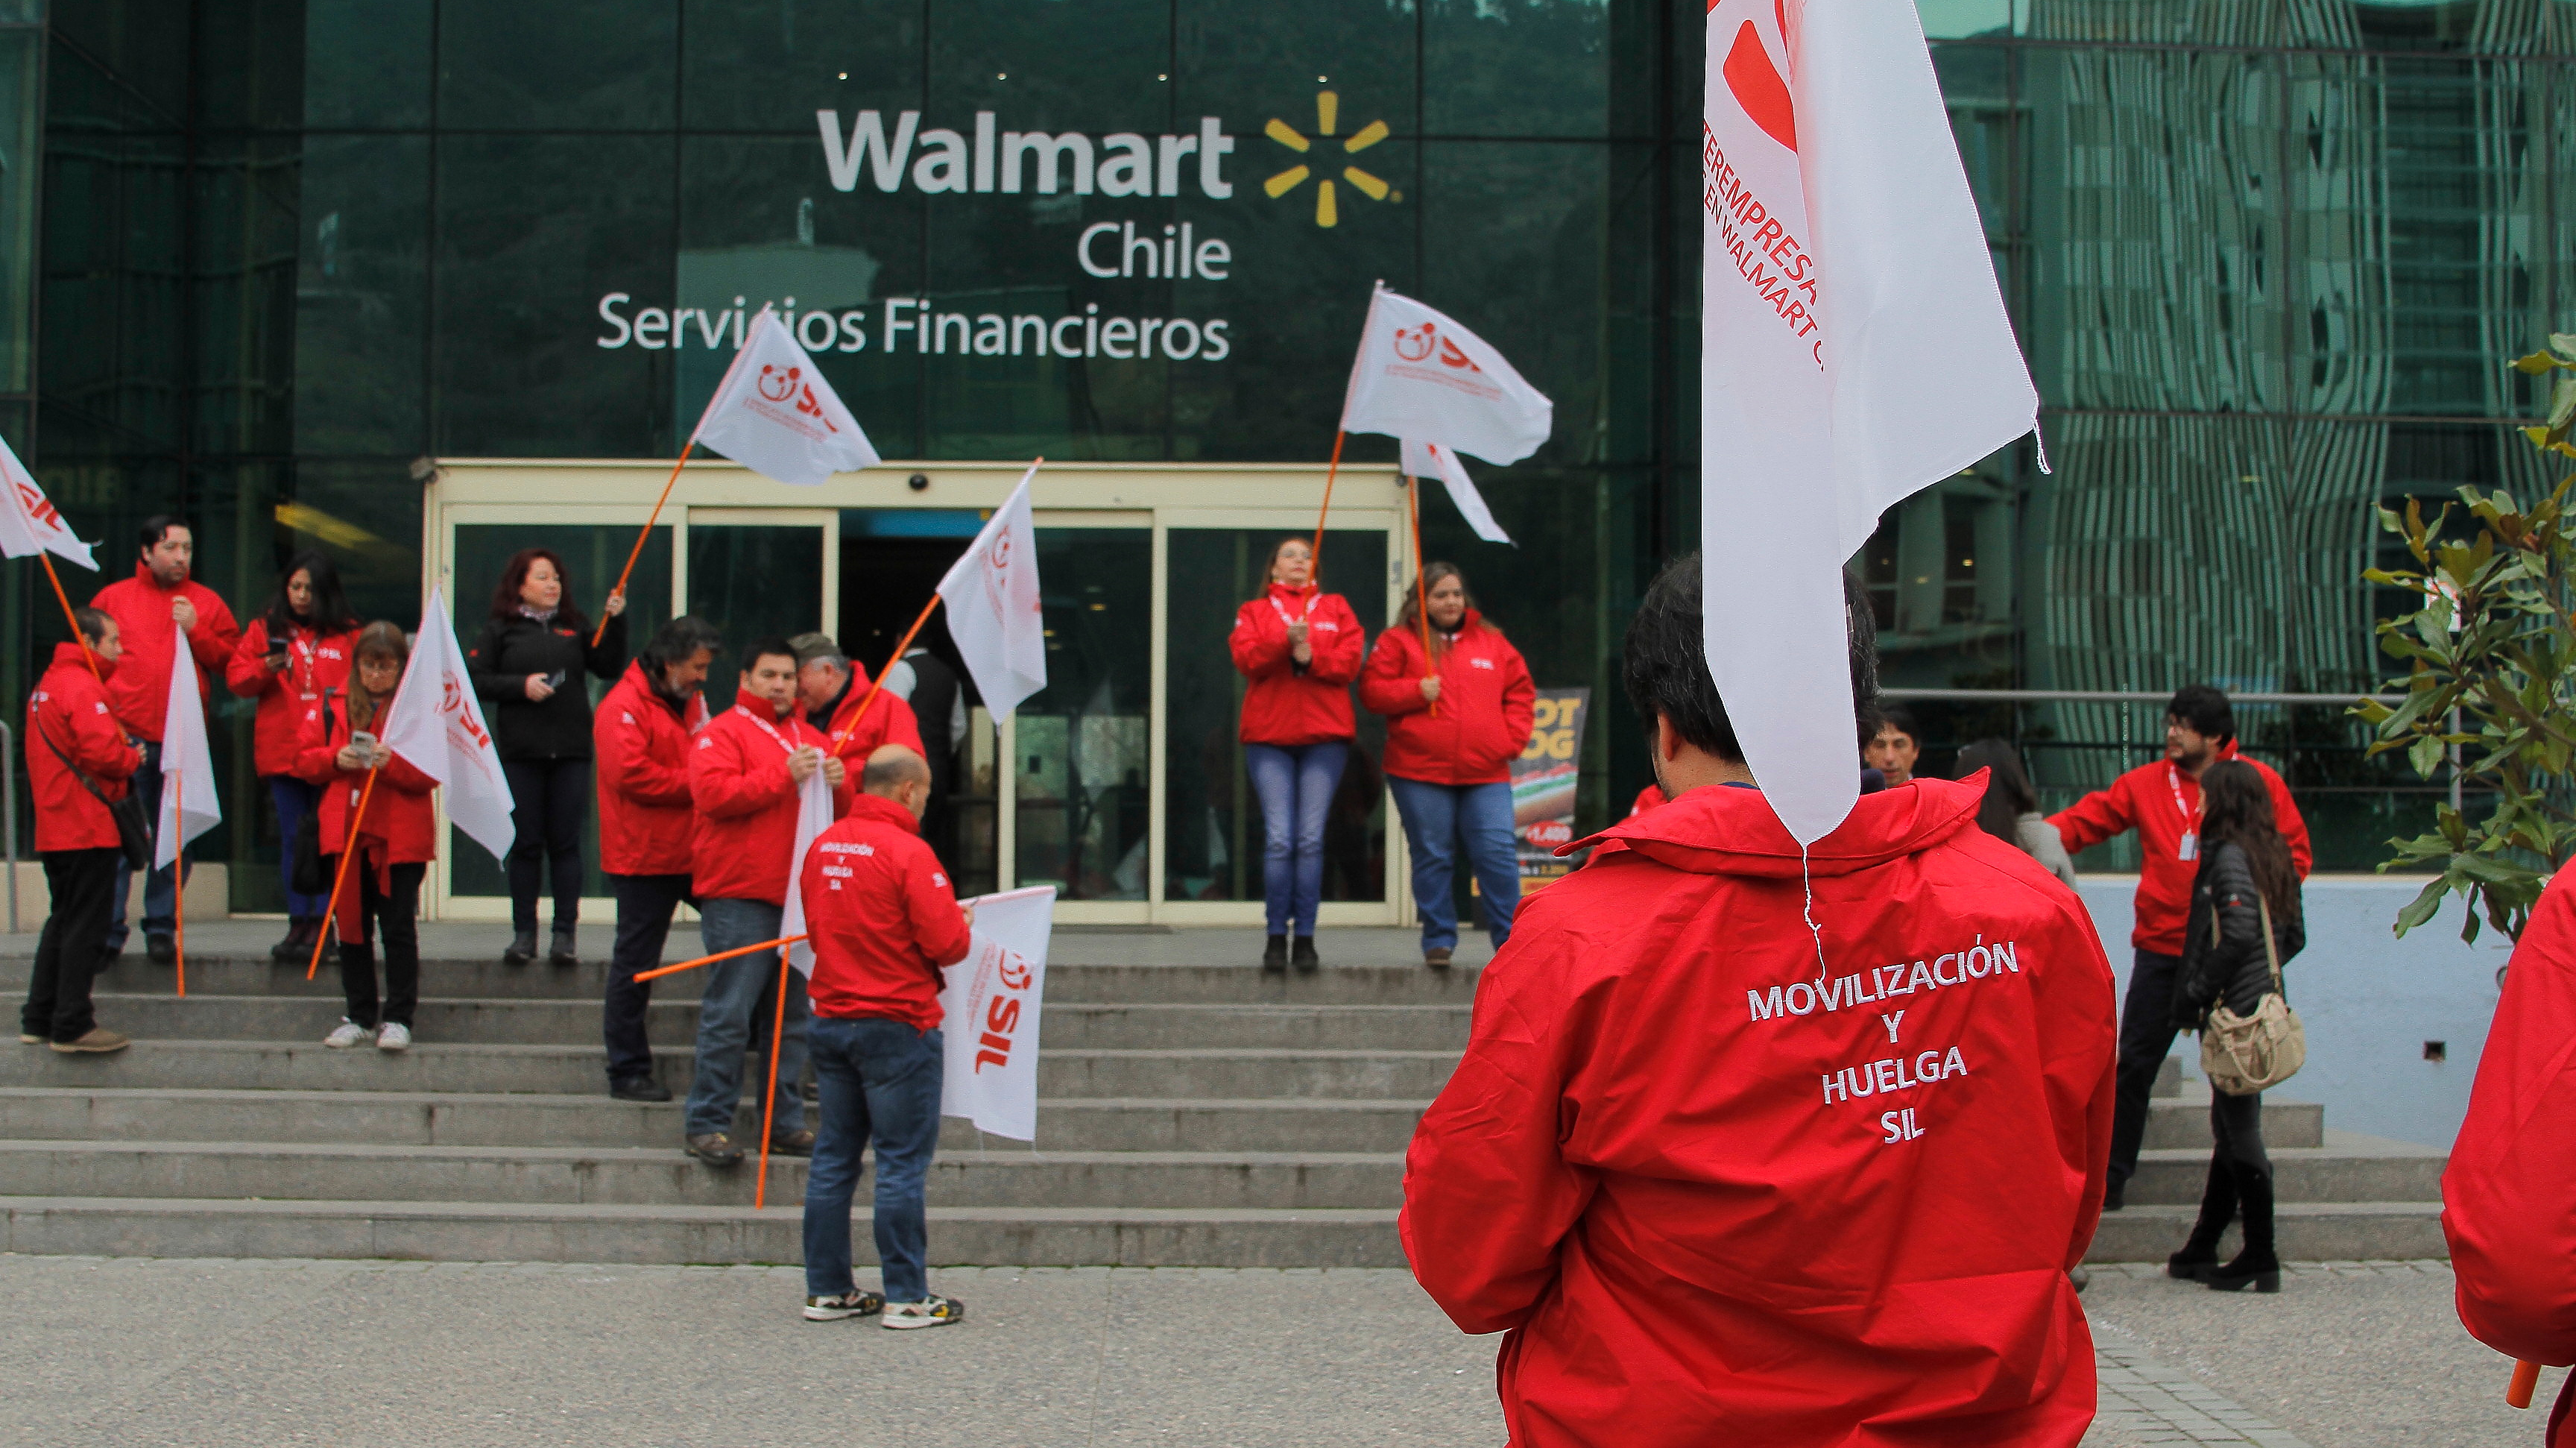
x: 1543, y: 784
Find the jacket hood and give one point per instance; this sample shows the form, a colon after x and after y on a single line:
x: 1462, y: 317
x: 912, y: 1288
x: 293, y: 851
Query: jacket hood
x: 1714, y: 830
x: 1281, y: 590
x: 878, y: 810
x: 68, y: 655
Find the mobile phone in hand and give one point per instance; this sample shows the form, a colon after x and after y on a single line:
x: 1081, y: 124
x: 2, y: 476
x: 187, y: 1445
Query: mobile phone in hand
x: 555, y: 680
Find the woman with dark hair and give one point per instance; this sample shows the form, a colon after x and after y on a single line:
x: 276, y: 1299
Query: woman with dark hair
x: 1300, y: 648
x: 1455, y: 720
x: 2245, y: 923
x: 529, y: 661
x: 2010, y: 812
x: 291, y: 655
x: 340, y: 743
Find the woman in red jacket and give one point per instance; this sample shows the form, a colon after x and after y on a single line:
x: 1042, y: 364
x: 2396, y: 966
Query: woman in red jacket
x: 289, y: 656
x: 1454, y: 723
x: 397, y: 839
x: 1300, y: 647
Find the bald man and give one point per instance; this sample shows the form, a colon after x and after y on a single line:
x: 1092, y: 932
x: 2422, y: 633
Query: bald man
x: 883, y: 920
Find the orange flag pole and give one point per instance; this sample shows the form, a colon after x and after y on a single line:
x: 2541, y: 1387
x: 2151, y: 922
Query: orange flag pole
x: 73, y: 619
x: 638, y: 550
x: 769, y: 1108
x: 1421, y: 592
x: 1315, y: 570
x: 179, y: 871
x: 661, y: 971
x: 2526, y: 1376
x: 348, y: 848
x: 861, y: 712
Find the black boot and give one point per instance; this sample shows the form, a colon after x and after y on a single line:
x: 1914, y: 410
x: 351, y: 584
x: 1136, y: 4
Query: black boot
x: 298, y: 944
x: 2258, y: 1266
x: 523, y: 947
x: 2217, y: 1209
x: 563, y: 952
x: 1274, y: 956
x: 1304, y: 956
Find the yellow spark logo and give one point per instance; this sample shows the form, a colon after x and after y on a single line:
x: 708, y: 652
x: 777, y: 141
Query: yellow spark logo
x: 1327, y: 204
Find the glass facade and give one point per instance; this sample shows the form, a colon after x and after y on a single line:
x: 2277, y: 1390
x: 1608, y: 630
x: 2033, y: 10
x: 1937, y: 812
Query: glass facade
x: 2267, y: 260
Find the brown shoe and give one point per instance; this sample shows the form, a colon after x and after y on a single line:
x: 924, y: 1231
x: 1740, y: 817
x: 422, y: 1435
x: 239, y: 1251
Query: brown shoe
x: 1437, y: 957
x: 715, y: 1149
x: 799, y: 1142
x: 98, y: 1042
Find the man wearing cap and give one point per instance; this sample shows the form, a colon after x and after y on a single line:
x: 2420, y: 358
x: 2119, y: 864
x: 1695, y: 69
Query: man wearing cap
x: 829, y: 692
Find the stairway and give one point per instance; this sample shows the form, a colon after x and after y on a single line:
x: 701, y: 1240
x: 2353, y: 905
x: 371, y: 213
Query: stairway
x: 1190, y: 1114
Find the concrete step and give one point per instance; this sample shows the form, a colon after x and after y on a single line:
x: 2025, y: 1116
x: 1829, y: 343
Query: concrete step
x: 647, y: 1176
x: 575, y: 1070
x: 487, y: 1232
x: 2308, y: 1232
x: 2181, y: 1123
x: 507, y: 1021
x: 132, y: 974
x: 2168, y: 1079
x: 394, y: 1118
x: 2349, y: 1167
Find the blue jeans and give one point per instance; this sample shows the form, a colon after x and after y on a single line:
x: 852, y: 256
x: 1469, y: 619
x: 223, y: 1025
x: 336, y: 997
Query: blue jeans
x: 294, y: 799
x: 161, y: 887
x: 880, y: 1079
x: 725, y: 1018
x: 1440, y: 818
x: 1296, y: 787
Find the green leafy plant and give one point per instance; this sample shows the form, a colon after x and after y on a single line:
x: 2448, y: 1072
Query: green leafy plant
x: 2490, y: 687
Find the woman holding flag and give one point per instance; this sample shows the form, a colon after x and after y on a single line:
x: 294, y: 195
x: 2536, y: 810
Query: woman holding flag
x: 1300, y: 647
x: 1456, y: 717
x: 395, y: 841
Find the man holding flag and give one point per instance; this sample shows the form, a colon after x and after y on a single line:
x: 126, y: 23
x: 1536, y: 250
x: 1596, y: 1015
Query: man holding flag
x: 748, y: 773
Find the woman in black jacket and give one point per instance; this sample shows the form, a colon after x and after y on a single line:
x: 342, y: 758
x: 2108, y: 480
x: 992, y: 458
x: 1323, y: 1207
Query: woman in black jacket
x: 2245, y: 873
x: 529, y: 663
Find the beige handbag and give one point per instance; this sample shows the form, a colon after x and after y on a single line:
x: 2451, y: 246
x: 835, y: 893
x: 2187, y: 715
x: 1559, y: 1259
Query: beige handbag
x: 2242, y: 1055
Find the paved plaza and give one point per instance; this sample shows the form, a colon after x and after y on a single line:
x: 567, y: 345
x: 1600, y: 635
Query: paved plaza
x: 225, y: 1352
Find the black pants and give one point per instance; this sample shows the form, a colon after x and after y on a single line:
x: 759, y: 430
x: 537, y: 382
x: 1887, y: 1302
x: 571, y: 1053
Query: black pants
x: 644, y: 904
x: 552, y: 799
x: 2236, y: 1125
x: 396, y: 918
x: 2146, y: 1038
x: 68, y: 954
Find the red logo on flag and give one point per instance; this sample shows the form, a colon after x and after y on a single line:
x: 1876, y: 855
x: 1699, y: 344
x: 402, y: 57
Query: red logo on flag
x: 39, y: 507
x: 1414, y: 344
x: 775, y: 385
x: 1756, y: 82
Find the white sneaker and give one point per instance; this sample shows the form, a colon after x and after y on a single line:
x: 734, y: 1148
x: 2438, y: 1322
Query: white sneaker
x: 349, y: 1034
x: 394, y: 1037
x: 931, y: 1311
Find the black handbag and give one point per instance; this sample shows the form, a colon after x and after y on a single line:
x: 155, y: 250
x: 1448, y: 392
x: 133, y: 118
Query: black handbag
x: 133, y: 832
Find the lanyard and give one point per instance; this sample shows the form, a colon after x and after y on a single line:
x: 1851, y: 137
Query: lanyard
x: 1311, y: 600
x: 303, y: 644
x: 2190, y: 811
x: 766, y: 728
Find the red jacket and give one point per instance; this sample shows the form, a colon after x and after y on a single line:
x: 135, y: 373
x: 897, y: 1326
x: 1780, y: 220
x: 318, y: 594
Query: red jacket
x: 1287, y: 706
x: 2143, y: 800
x: 140, y: 690
x: 314, y: 663
x: 1649, y: 798
x: 646, y: 813
x: 1485, y: 705
x: 2509, y: 1193
x: 746, y: 805
x: 882, y: 917
x: 71, y: 709
x: 400, y: 827
x: 888, y: 721
x: 1806, y: 1207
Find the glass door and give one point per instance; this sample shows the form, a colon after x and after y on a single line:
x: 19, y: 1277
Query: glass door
x: 1080, y: 751
x: 760, y: 573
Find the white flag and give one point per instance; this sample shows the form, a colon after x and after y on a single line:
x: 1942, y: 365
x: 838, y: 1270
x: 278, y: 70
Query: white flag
x: 1431, y: 460
x: 991, y: 1001
x: 188, y: 804
x: 1419, y: 374
x: 1853, y: 350
x: 813, y: 816
x: 436, y: 725
x: 775, y: 415
x: 29, y: 522
x: 994, y: 610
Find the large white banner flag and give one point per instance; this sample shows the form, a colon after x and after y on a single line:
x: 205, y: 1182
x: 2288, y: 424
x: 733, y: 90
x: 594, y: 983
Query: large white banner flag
x: 1853, y: 350
x: 188, y: 804
x: 1431, y: 460
x: 995, y: 612
x: 436, y: 724
x: 813, y: 816
x: 775, y: 415
x: 1420, y: 374
x: 30, y: 523
x: 990, y: 1031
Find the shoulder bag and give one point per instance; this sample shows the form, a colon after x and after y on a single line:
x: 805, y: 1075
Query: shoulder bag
x: 2242, y: 1055
x: 133, y: 833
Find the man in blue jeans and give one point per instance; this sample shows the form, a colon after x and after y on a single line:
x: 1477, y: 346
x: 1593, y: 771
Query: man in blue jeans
x: 883, y: 921
x: 745, y: 768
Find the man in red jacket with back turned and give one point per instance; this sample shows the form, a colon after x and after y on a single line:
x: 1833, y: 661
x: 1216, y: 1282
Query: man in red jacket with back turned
x: 155, y: 610
x: 1718, y: 1191
x: 2161, y: 801
x: 74, y: 747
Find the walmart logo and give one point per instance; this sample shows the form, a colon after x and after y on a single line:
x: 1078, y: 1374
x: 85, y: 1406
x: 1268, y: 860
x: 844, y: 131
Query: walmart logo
x: 1327, y: 202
